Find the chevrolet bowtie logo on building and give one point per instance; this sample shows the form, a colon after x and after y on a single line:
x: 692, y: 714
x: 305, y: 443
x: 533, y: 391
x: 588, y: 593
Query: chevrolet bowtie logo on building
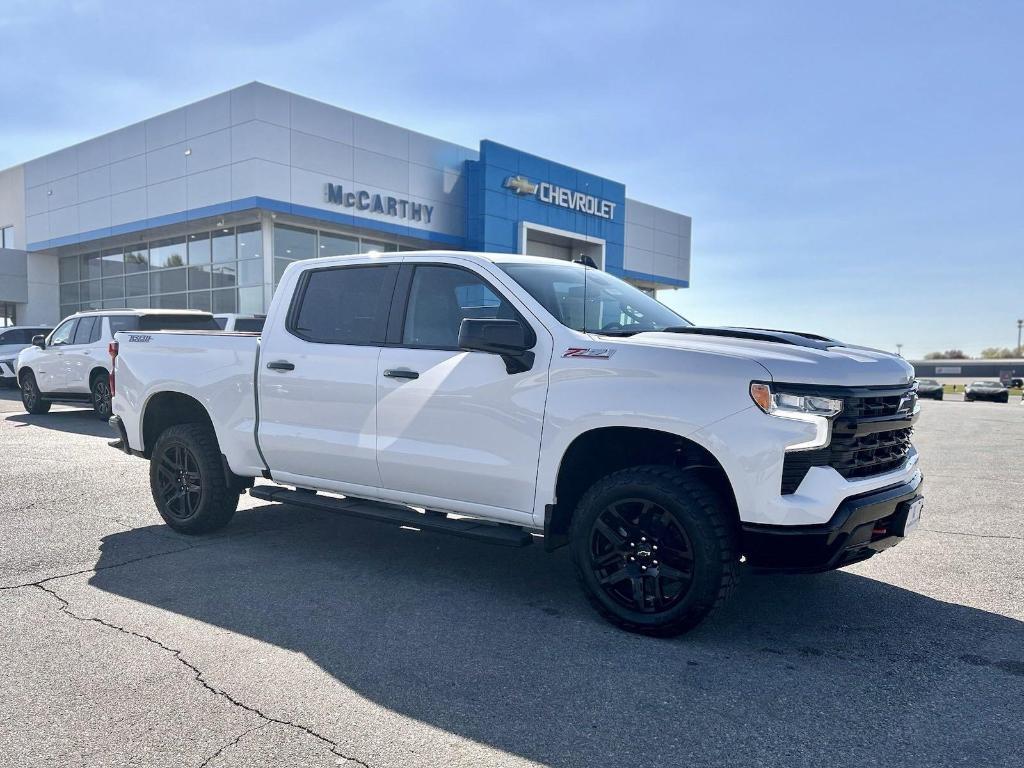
x: 548, y: 193
x: 521, y: 185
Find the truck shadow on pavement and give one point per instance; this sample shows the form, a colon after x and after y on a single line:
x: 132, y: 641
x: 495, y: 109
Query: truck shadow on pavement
x: 498, y: 646
x: 82, y: 422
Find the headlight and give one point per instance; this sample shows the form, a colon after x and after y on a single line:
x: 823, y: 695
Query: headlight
x: 812, y: 409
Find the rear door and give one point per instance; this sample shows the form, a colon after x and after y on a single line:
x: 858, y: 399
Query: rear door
x: 317, y: 378
x: 456, y: 425
x: 81, y: 356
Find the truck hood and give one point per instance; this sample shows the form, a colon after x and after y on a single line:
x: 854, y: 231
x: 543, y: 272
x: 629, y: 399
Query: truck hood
x: 790, y: 357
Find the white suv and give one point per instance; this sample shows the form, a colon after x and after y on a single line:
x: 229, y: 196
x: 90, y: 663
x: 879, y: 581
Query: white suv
x: 12, y: 340
x: 72, y: 364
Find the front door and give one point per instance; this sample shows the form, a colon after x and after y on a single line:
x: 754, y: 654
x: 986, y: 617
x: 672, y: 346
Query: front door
x: 51, y: 375
x: 455, y: 425
x: 81, y: 356
x: 318, y: 375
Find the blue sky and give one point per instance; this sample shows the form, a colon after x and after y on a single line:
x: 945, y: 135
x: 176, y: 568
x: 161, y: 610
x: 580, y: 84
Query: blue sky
x: 853, y: 169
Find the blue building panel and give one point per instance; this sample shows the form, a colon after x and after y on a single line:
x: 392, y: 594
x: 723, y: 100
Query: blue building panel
x: 507, y: 186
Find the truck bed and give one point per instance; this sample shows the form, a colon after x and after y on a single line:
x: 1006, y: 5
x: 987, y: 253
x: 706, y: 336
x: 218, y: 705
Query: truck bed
x: 216, y: 368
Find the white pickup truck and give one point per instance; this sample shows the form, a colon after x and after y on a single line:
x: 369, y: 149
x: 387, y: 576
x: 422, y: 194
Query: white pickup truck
x: 499, y: 397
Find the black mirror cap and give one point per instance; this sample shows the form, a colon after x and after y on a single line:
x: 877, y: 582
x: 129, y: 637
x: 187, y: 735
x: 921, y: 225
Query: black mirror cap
x: 511, y: 339
x: 499, y: 337
x: 38, y: 341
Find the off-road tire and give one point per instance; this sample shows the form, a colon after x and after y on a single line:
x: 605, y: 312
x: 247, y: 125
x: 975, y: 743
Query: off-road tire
x: 699, y: 511
x: 31, y: 397
x: 186, y: 456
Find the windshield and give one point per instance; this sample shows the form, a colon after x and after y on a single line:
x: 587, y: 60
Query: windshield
x: 592, y: 301
x: 986, y: 384
x: 929, y: 382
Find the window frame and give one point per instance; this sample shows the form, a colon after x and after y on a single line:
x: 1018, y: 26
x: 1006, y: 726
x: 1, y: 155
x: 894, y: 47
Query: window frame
x: 82, y: 321
x: 392, y: 270
x: 400, y: 306
x: 71, y: 336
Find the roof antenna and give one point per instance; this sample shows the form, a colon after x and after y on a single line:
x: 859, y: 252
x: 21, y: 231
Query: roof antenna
x: 586, y: 261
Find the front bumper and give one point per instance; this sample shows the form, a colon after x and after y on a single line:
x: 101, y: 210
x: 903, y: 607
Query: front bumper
x: 861, y: 526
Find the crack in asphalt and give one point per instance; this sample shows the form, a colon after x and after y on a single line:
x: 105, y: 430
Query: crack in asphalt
x: 231, y: 743
x: 65, y: 606
x: 206, y: 543
x: 975, y: 535
x: 97, y: 569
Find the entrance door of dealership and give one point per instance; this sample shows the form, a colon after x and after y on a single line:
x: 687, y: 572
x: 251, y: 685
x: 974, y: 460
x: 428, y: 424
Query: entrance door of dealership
x: 540, y: 240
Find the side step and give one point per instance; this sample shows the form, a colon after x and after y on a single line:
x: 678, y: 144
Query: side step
x: 396, y: 514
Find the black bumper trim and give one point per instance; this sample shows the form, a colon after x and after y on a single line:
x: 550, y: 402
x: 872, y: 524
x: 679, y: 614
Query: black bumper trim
x: 861, y: 527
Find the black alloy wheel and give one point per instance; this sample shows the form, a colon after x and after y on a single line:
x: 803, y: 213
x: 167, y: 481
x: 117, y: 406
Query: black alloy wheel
x: 180, y: 481
x: 101, y: 398
x: 641, y: 555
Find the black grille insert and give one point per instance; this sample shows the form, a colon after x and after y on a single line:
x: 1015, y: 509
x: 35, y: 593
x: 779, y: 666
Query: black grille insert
x: 861, y: 444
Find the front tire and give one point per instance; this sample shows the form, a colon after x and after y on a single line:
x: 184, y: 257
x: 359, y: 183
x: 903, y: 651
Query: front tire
x: 654, y: 549
x: 101, y: 398
x: 31, y: 397
x: 187, y: 479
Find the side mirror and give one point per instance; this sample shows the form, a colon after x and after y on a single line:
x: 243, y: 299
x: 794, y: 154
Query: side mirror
x: 508, y: 338
x: 38, y: 341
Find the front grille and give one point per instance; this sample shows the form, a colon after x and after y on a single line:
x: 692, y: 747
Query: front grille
x: 872, y: 406
x: 857, y: 455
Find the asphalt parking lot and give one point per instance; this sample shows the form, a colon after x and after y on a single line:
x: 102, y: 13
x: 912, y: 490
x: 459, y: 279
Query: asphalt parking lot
x: 296, y: 638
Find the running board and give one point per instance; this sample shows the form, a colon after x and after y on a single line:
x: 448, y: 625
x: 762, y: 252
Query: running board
x: 397, y: 514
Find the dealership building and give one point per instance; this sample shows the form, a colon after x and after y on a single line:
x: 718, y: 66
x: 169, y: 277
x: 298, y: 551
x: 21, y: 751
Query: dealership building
x: 204, y: 206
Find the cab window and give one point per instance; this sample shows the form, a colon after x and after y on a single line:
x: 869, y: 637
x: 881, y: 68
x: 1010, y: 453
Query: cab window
x: 344, y: 305
x: 440, y: 298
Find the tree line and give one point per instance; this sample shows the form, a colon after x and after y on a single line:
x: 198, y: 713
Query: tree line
x: 989, y: 353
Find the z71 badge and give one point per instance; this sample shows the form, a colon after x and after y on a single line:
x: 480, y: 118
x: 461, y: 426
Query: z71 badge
x: 591, y: 352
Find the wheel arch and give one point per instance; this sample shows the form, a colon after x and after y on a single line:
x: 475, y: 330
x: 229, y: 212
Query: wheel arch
x: 96, y: 372
x: 167, y: 408
x: 598, y: 452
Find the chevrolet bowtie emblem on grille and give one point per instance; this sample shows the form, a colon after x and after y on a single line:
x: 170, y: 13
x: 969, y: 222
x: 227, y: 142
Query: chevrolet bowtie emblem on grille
x: 520, y: 185
x: 906, y: 404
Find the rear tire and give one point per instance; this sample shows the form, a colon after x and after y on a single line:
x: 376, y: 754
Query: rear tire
x: 654, y: 549
x: 187, y: 479
x: 31, y: 397
x: 938, y: 396
x: 100, y: 391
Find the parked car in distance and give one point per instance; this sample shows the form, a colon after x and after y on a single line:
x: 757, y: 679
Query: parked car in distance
x: 498, y: 396
x: 929, y: 388
x: 72, y: 363
x: 13, y: 339
x: 986, y: 390
x: 240, y: 323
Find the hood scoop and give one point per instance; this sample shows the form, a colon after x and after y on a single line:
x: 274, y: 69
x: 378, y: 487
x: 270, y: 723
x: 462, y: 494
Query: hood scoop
x: 761, y: 334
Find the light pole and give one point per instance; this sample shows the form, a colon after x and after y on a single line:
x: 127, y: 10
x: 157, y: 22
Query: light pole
x: 1020, y: 324
x: 899, y: 350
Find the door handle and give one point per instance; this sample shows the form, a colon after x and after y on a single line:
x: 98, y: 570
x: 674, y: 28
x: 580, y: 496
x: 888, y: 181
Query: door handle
x: 281, y: 365
x: 401, y: 373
